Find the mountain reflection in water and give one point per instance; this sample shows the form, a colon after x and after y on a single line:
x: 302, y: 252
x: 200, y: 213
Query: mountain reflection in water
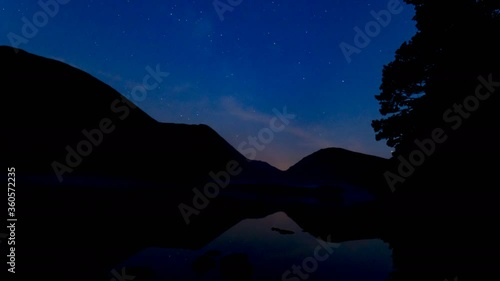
x: 252, y: 251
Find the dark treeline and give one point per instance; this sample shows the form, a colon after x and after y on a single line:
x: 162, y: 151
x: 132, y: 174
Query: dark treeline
x: 439, y: 99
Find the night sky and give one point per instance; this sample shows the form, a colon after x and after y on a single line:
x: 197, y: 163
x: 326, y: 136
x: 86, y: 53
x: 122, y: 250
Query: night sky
x: 230, y: 69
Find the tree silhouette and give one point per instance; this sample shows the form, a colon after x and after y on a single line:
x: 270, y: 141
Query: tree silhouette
x: 449, y: 199
x: 455, y: 42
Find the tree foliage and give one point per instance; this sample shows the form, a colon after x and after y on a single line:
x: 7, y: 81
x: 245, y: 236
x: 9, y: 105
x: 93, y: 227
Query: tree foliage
x: 455, y: 42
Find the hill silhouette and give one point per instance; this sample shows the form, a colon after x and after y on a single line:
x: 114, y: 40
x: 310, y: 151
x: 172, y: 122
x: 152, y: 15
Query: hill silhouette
x: 337, y: 166
x: 124, y: 195
x: 55, y: 109
x: 137, y: 174
x: 120, y: 175
x: 54, y: 106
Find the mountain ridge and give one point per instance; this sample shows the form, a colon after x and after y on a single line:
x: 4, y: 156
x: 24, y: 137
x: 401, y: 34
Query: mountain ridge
x: 120, y: 186
x: 91, y: 104
x: 340, y: 167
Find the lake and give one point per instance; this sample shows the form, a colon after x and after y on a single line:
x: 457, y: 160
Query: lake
x: 269, y: 248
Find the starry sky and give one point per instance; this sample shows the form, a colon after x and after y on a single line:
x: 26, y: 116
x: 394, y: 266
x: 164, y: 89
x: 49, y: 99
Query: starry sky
x: 231, y: 63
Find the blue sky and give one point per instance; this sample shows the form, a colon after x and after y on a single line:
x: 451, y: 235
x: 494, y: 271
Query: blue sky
x: 231, y: 73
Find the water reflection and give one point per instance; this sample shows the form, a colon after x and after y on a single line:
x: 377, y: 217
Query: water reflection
x: 253, y: 249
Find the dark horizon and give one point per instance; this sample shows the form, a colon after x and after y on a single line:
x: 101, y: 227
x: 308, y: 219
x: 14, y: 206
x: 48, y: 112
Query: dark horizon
x: 107, y: 181
x: 231, y: 74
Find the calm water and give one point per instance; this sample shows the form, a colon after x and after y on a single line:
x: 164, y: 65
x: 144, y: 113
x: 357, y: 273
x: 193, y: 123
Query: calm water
x: 264, y: 254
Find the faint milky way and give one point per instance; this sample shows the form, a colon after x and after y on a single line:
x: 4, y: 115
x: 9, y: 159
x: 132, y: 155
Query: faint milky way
x: 264, y: 55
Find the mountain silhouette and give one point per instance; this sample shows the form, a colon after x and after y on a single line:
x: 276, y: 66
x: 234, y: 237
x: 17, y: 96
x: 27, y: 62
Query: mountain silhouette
x: 99, y: 180
x: 54, y: 108
x: 113, y: 191
x: 340, y: 167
